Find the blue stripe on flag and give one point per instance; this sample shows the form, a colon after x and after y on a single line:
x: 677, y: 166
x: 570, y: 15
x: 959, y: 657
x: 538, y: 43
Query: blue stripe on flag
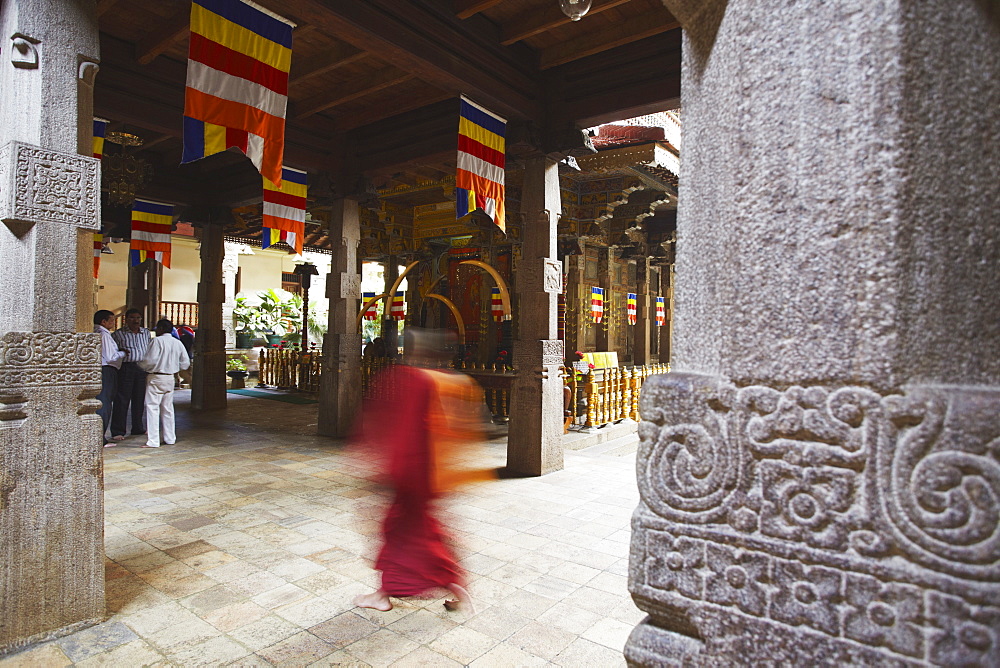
x: 481, y: 118
x: 99, y: 128
x: 461, y: 202
x: 135, y: 257
x: 153, y: 208
x: 295, y: 176
x: 194, y: 140
x: 250, y: 18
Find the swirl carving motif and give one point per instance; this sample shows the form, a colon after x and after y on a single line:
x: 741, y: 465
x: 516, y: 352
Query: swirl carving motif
x: 939, y: 464
x: 690, y: 469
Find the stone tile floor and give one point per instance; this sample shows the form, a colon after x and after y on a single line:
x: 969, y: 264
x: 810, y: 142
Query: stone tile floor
x: 244, y: 543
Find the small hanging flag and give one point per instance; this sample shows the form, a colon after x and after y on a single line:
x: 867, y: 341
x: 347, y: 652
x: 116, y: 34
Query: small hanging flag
x: 98, y: 247
x: 100, y: 127
x: 151, y: 224
x: 661, y: 314
x: 398, y: 310
x: 284, y: 209
x: 479, y: 180
x: 497, y: 304
x: 597, y: 303
x: 631, y: 308
x: 370, y: 314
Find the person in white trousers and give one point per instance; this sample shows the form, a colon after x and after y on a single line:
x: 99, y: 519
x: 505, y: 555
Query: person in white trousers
x: 164, y: 357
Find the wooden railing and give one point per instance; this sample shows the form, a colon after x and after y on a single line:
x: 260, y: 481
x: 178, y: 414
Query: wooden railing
x: 180, y: 313
x: 291, y: 369
x: 603, y: 396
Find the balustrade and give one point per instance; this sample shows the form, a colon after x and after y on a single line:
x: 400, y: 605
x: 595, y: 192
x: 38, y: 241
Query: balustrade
x: 608, y: 395
x: 289, y: 368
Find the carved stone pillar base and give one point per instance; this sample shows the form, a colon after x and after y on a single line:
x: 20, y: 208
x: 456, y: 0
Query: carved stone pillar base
x: 534, y: 441
x: 340, y: 385
x: 51, y: 486
x: 816, y: 525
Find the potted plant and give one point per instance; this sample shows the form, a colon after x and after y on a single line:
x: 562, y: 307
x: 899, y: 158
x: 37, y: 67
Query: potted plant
x: 279, y: 316
x: 247, y: 320
x: 236, y: 368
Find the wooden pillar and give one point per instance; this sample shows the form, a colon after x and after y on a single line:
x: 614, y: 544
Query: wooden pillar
x: 604, y: 334
x: 534, y: 444
x: 644, y: 315
x: 339, y: 394
x: 576, y: 307
x: 665, y: 332
x: 208, y: 385
x: 390, y: 327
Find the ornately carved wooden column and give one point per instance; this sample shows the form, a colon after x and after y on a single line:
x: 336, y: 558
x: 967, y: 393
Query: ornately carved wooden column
x: 208, y: 384
x: 577, y: 307
x: 51, y: 467
x: 340, y: 388
x: 605, y: 264
x: 820, y: 472
x: 534, y: 443
x: 645, y: 314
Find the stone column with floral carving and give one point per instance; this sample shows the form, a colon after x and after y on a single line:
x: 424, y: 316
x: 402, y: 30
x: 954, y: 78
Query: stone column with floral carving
x: 339, y: 394
x: 51, y: 467
x: 645, y: 313
x: 820, y: 472
x: 534, y: 444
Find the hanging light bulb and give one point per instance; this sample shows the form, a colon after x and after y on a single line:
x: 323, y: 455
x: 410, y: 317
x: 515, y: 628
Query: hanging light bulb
x: 574, y: 9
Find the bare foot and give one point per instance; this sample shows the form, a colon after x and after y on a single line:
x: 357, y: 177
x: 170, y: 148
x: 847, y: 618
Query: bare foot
x: 378, y: 600
x: 462, y: 600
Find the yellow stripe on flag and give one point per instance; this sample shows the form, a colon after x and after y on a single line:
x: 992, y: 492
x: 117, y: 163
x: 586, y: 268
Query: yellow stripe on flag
x: 238, y: 38
x: 215, y: 139
x: 288, y: 186
x: 480, y: 134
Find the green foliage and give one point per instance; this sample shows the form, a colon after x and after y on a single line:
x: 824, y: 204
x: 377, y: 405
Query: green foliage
x: 237, y: 363
x: 278, y: 315
x: 246, y: 316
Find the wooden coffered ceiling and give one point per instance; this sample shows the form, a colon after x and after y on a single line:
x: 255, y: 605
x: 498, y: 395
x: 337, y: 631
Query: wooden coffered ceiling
x: 374, y: 83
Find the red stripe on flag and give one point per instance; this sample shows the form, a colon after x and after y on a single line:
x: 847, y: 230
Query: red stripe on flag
x: 278, y: 197
x: 224, y: 59
x: 481, y: 151
x: 237, y: 138
x: 155, y: 228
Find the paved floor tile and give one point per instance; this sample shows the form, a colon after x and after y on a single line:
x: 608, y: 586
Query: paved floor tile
x: 245, y: 543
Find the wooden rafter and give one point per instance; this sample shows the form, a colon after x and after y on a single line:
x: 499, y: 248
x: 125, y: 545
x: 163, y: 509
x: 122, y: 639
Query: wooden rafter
x: 103, y: 6
x: 164, y: 37
x: 339, y: 55
x: 411, y: 102
x: 551, y: 17
x: 389, y: 76
x: 606, y: 38
x: 466, y: 8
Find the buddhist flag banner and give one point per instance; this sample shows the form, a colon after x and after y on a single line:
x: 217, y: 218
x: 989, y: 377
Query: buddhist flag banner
x: 100, y: 128
x: 98, y: 247
x: 661, y: 313
x: 371, y: 313
x: 479, y: 183
x: 631, y: 308
x: 237, y: 83
x: 597, y: 304
x: 497, y: 304
x: 151, y: 223
x: 285, y: 210
x: 397, y: 311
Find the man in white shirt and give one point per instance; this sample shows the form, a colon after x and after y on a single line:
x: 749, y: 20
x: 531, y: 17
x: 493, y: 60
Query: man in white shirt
x: 111, y: 362
x: 133, y: 338
x: 164, y: 357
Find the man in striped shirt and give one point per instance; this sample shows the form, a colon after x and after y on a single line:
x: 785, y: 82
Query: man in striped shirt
x: 134, y: 339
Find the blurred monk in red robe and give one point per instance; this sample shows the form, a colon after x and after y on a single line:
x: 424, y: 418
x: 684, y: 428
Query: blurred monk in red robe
x: 420, y: 421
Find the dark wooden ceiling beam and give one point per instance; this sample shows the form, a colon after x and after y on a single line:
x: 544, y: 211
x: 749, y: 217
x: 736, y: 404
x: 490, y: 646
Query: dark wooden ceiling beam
x: 104, y: 6
x: 385, y: 78
x: 598, y: 41
x: 466, y: 8
x: 550, y: 17
x: 339, y: 55
x: 163, y: 38
x: 356, y: 120
x: 444, y: 54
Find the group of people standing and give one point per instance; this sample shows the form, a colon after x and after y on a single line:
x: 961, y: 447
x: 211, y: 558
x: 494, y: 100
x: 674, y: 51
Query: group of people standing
x: 137, y: 377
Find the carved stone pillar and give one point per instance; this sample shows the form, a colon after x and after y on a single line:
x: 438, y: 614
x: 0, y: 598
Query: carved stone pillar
x: 534, y: 443
x: 645, y: 315
x: 820, y: 472
x: 230, y: 267
x: 143, y: 289
x: 208, y: 384
x: 51, y: 470
x: 340, y: 388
